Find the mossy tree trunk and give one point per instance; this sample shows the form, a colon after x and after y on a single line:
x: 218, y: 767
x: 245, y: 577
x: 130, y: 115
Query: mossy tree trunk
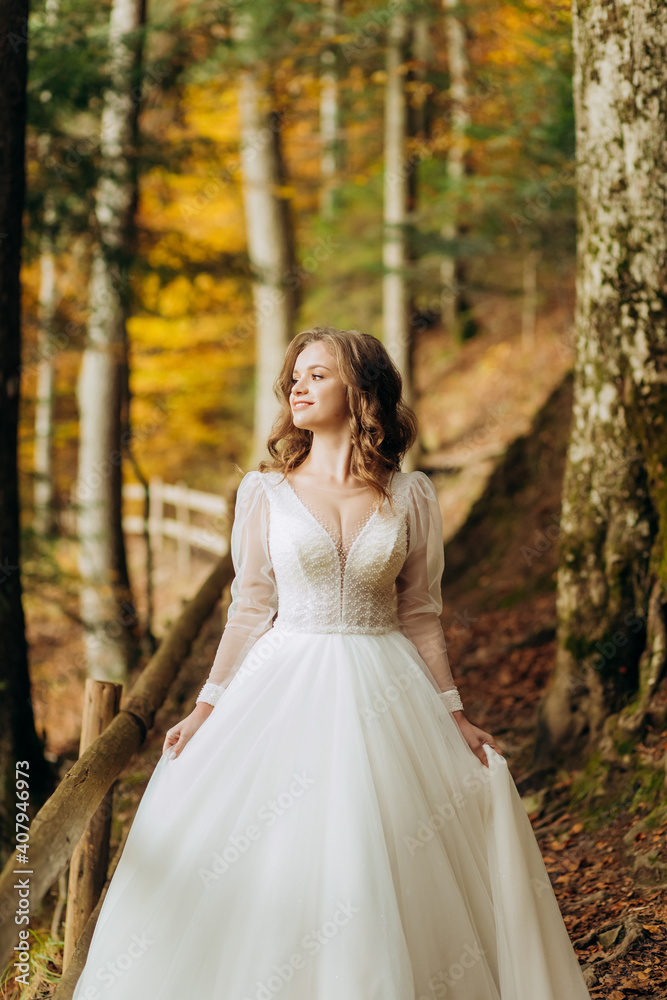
x: 612, y: 576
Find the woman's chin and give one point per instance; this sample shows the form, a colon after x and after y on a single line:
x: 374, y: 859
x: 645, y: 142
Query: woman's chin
x: 299, y: 421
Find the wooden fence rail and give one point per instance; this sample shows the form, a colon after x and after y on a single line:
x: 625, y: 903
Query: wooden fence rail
x: 211, y: 535
x: 60, y: 823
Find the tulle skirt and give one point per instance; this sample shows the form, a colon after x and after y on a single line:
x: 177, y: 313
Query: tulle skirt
x: 328, y: 834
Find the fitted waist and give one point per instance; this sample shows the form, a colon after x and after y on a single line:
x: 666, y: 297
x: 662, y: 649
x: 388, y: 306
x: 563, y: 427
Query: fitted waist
x: 287, y: 627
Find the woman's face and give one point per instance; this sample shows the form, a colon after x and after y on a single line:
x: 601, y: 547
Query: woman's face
x: 318, y: 398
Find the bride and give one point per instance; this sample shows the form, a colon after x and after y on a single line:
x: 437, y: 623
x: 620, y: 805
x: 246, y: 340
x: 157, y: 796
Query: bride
x: 327, y: 824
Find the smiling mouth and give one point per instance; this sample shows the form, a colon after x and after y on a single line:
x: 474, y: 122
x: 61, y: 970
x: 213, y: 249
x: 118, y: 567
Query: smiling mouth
x: 301, y: 405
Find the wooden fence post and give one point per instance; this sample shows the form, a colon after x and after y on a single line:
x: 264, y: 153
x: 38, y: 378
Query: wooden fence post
x: 183, y: 518
x: 529, y: 310
x: 70, y: 978
x: 88, y: 867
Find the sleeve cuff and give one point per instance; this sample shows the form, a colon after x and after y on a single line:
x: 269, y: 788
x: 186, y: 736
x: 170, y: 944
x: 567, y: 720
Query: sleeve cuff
x: 452, y: 699
x: 210, y: 693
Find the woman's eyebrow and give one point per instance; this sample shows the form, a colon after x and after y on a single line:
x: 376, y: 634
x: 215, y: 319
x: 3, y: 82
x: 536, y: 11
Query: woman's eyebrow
x: 313, y: 366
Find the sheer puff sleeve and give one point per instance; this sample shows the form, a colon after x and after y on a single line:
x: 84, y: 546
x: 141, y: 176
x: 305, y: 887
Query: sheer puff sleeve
x: 418, y: 587
x: 254, y: 597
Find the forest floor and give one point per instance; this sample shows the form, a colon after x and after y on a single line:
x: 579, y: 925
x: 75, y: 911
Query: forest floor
x: 602, y: 828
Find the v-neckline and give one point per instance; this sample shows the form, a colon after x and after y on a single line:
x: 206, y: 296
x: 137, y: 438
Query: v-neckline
x: 338, y: 544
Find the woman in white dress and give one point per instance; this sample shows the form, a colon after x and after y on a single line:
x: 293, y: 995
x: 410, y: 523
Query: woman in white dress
x: 327, y: 824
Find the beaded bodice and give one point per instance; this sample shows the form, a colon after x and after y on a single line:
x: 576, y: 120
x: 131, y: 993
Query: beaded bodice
x: 327, y: 583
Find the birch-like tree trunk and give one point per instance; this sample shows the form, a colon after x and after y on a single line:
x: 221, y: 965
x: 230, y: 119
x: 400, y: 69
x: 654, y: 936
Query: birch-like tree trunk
x: 395, y: 293
x: 269, y: 232
x: 613, y: 561
x: 43, y: 470
x: 44, y: 520
x: 18, y: 740
x: 106, y: 603
x: 330, y: 163
x: 452, y: 272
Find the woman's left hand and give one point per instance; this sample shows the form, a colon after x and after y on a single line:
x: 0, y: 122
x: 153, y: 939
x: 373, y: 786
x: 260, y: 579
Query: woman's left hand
x: 476, y: 737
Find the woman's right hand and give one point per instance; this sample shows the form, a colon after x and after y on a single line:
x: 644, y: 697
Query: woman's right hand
x: 184, y: 730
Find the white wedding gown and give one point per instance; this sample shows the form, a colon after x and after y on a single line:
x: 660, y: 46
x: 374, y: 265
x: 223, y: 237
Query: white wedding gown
x: 328, y: 834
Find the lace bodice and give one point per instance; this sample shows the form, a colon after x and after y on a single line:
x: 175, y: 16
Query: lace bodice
x: 318, y: 560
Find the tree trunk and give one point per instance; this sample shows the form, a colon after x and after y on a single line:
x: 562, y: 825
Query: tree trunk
x: 44, y: 514
x: 613, y: 558
x: 395, y: 295
x: 269, y: 232
x: 452, y: 270
x: 106, y: 602
x: 43, y: 490
x: 421, y: 51
x: 330, y: 110
x: 18, y: 740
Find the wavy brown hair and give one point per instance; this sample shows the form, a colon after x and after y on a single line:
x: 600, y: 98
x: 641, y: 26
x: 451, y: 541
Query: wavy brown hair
x: 382, y: 425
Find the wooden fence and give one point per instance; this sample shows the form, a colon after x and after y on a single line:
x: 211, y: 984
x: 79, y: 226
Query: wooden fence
x: 210, y: 534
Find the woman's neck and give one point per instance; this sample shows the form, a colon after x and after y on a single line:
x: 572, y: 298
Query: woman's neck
x: 325, y: 481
